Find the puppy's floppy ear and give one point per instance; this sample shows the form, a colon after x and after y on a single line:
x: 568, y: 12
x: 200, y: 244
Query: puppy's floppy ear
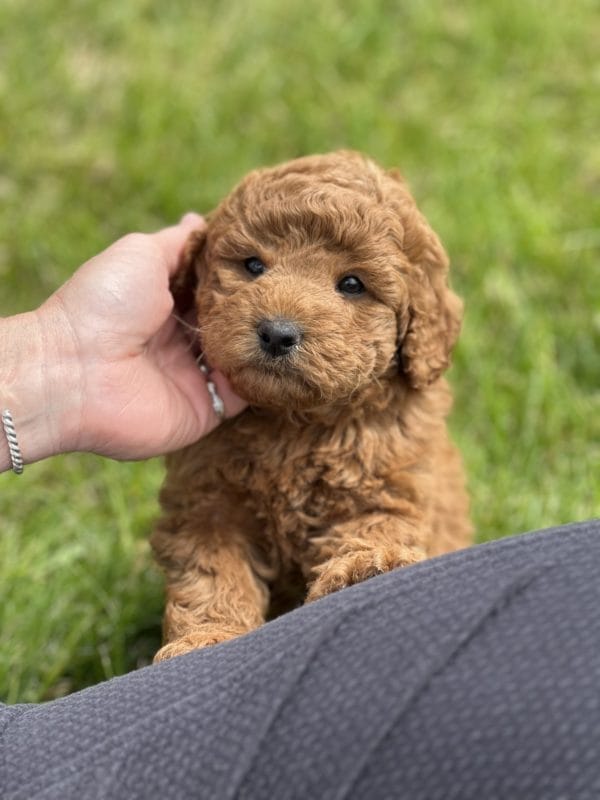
x: 434, y: 311
x: 435, y: 314
x: 185, y: 281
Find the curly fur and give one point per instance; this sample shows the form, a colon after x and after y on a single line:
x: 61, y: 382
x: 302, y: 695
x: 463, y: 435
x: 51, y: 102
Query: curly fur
x: 341, y: 468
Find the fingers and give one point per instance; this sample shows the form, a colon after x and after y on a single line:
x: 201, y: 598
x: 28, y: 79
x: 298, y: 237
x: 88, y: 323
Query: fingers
x: 210, y: 398
x: 172, y: 240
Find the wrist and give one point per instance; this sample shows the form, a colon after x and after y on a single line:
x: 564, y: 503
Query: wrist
x: 39, y: 383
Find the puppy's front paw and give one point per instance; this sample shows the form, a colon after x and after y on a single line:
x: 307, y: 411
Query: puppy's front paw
x: 345, y: 570
x: 207, y: 637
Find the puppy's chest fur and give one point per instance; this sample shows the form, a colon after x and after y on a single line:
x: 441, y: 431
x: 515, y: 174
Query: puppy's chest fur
x: 299, y: 478
x: 292, y: 481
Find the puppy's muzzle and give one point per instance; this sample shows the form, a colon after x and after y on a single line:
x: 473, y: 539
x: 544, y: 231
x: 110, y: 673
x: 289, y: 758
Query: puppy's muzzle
x: 278, y: 337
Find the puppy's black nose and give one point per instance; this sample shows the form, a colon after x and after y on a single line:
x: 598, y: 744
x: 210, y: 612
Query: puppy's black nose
x: 278, y: 337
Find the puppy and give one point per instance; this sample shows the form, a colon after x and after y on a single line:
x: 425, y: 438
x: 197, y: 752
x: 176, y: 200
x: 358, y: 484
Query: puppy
x: 321, y: 293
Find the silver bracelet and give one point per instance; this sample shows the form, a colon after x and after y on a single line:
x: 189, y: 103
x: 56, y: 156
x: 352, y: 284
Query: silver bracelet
x: 16, y: 459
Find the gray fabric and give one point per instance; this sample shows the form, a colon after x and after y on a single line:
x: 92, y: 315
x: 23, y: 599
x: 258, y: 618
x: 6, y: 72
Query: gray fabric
x: 475, y: 675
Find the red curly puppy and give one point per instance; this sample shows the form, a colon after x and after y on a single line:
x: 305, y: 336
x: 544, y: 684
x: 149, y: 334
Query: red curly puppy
x: 322, y: 295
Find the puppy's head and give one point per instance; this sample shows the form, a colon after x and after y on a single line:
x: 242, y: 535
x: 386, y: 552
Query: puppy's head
x: 318, y: 277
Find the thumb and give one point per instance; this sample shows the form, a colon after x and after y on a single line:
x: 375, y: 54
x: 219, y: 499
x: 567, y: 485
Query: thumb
x: 171, y: 241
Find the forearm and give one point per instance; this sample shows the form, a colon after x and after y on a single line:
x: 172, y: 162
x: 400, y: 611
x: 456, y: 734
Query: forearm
x: 39, y: 384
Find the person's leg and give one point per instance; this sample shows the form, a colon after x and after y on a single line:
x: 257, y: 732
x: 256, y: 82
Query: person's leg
x: 474, y: 675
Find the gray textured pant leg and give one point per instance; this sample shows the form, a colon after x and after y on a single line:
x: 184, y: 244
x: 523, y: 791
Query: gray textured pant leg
x: 472, y: 676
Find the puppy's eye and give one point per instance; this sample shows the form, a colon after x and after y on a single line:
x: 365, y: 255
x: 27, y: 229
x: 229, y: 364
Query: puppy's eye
x: 254, y: 265
x: 350, y: 284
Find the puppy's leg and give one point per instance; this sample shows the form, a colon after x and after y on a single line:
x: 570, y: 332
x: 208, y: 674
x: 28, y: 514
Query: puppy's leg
x: 213, y: 591
x: 353, y: 551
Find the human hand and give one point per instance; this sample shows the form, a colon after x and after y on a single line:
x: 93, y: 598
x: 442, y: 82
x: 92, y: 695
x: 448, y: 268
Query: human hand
x: 119, y: 375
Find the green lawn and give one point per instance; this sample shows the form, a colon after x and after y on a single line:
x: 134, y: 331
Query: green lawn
x: 117, y: 116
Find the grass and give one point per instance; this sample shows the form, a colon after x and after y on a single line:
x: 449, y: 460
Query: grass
x: 121, y: 116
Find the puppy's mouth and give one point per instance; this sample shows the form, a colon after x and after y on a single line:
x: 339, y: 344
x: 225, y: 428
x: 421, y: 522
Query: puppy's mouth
x: 274, y: 382
x: 284, y: 366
